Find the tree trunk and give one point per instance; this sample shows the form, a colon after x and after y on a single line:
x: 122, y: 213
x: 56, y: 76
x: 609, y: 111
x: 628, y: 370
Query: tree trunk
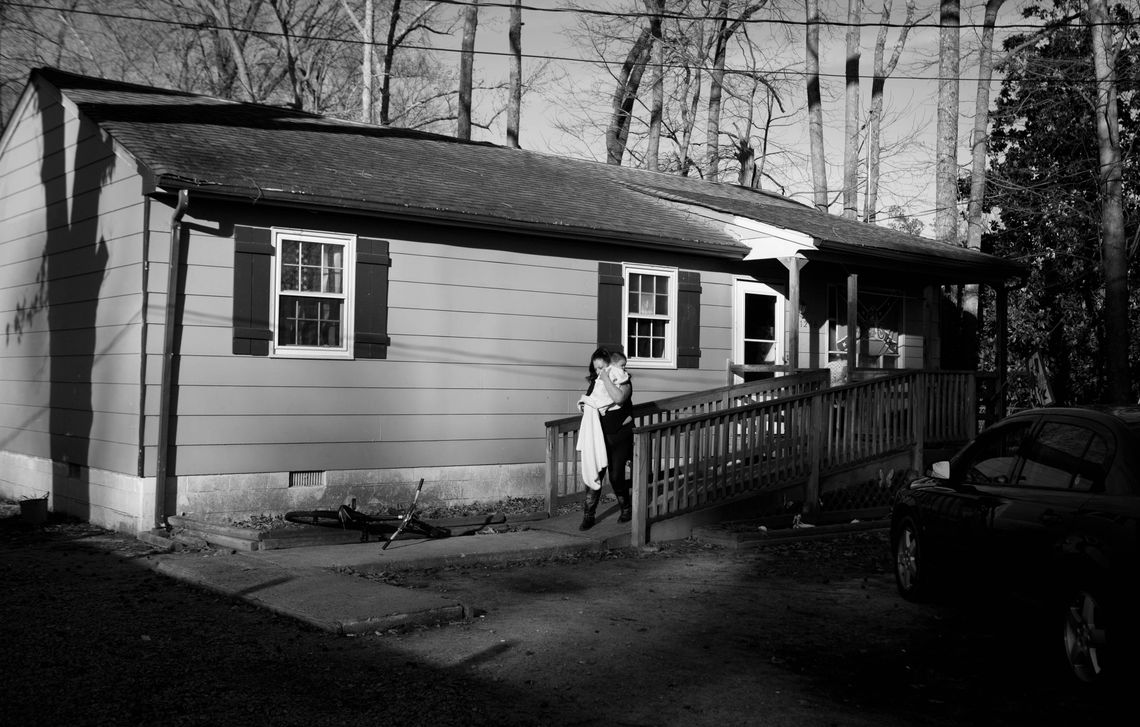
x: 656, y: 9
x: 851, y: 118
x: 882, y: 72
x: 1114, y: 251
x: 971, y: 310
x: 367, y: 30
x: 716, y: 90
x: 389, y: 59
x: 629, y: 81
x: 466, y: 69
x: 815, y: 108
x: 292, y: 60
x: 225, y: 29
x: 946, y: 146
x: 366, y: 75
x: 514, y: 108
x: 689, y: 117
x: 724, y: 33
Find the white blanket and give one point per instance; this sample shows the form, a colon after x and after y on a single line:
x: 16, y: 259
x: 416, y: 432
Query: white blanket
x: 592, y: 446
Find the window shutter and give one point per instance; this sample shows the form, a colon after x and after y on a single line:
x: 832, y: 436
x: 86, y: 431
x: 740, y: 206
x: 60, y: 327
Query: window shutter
x: 372, y: 264
x: 611, y: 291
x: 253, y: 260
x: 688, y: 320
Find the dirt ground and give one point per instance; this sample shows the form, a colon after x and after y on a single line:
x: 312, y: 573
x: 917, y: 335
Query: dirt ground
x: 799, y: 634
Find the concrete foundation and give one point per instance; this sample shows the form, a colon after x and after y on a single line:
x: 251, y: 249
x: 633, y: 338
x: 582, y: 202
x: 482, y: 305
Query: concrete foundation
x: 126, y: 503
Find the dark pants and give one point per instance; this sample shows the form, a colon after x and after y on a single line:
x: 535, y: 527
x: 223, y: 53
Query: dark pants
x: 619, y: 450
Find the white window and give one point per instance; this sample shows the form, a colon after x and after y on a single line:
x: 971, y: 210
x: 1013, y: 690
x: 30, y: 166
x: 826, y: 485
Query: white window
x: 313, y: 280
x: 651, y: 316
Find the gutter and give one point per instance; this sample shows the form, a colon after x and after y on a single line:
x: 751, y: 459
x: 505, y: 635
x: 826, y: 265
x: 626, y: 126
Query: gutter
x: 166, y: 390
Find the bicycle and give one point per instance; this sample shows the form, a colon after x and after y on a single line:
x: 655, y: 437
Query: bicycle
x: 348, y: 517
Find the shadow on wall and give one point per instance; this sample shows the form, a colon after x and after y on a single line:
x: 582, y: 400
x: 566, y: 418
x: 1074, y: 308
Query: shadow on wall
x: 76, y: 262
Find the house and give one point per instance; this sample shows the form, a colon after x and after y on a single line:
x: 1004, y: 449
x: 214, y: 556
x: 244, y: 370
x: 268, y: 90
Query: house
x: 219, y: 308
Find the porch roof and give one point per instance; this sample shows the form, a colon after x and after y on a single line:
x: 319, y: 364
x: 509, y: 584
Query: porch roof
x: 272, y: 155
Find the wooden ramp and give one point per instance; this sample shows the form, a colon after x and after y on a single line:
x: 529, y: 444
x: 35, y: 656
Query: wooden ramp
x: 790, y: 444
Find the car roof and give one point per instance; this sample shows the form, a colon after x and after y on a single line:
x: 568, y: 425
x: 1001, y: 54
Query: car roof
x: 1128, y: 415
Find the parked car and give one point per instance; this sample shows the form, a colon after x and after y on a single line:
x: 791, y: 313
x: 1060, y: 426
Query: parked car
x: 1046, y: 502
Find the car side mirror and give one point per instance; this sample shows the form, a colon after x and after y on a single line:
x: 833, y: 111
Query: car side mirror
x: 940, y: 470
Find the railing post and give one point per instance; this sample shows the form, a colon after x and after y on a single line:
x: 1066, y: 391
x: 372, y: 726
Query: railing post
x: 972, y: 402
x: 918, y: 396
x: 551, y: 470
x: 639, y: 501
x: 816, y: 425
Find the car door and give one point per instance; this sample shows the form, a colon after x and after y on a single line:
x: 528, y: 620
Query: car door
x: 956, y: 511
x: 1058, y: 466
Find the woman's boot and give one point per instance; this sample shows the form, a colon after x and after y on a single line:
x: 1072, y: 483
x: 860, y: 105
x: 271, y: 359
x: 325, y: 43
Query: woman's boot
x: 589, y: 507
x: 626, y: 504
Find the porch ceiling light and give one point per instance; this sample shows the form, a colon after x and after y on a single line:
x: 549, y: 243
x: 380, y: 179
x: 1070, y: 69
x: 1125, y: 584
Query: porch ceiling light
x: 768, y: 242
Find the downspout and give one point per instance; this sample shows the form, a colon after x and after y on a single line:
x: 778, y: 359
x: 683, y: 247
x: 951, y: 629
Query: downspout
x: 166, y: 390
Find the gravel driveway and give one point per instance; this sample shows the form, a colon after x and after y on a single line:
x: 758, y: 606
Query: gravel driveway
x: 807, y: 633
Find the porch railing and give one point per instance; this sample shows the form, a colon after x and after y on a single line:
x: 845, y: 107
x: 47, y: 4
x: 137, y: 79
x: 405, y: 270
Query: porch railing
x: 688, y: 463
x: 563, y: 477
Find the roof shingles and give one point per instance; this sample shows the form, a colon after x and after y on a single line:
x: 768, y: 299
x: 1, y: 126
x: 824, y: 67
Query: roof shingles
x: 262, y: 152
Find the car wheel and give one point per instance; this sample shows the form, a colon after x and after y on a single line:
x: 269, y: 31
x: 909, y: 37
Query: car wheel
x: 1085, y: 635
x: 911, y: 575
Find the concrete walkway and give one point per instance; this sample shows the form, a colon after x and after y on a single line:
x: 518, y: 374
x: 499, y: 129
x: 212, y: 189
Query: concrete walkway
x: 304, y: 583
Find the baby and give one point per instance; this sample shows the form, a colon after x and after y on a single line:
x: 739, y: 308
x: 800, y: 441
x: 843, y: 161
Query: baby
x: 600, y: 398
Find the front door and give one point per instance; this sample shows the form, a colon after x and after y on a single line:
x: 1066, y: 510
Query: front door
x: 758, y: 326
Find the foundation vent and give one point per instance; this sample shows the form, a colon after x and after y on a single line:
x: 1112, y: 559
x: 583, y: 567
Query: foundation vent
x: 307, y: 479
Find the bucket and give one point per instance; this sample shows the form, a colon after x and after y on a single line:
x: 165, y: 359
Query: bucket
x: 34, y: 512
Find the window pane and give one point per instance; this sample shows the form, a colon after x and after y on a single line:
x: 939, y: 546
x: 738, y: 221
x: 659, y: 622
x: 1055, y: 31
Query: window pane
x: 646, y: 338
x: 648, y: 294
x: 759, y: 353
x: 310, y: 279
x: 312, y: 267
x: 1063, y: 454
x: 760, y: 317
x: 311, y: 253
x: 290, y: 277
x: 309, y: 322
x: 333, y: 265
x: 991, y: 458
x: 291, y: 252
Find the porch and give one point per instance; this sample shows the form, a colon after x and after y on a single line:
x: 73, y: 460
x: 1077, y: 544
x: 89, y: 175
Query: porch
x: 793, y: 444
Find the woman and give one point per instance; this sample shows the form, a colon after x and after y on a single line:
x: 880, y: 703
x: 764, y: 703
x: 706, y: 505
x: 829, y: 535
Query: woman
x: 617, y: 429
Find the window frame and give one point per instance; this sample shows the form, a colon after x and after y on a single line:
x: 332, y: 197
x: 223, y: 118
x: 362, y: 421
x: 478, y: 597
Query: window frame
x: 347, y: 296
x: 836, y: 300
x: 669, y: 360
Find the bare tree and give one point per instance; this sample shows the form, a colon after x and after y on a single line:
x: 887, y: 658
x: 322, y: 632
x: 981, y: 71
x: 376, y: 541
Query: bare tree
x: 656, y: 9
x: 851, y: 119
x: 979, y: 143
x: 815, y: 107
x: 227, y: 30
x: 881, y: 72
x: 514, y: 100
x: 628, y: 83
x: 366, y: 26
x: 946, y: 144
x: 466, y: 67
x: 725, y: 29
x: 1114, y: 250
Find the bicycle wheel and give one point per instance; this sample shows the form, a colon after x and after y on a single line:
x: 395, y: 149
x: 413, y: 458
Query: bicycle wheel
x: 426, y: 530
x: 325, y: 518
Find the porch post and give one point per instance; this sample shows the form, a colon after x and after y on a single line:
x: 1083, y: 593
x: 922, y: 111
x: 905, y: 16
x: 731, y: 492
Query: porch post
x: 928, y: 332
x: 1000, y: 354
x: 852, y: 325
x: 792, y: 311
